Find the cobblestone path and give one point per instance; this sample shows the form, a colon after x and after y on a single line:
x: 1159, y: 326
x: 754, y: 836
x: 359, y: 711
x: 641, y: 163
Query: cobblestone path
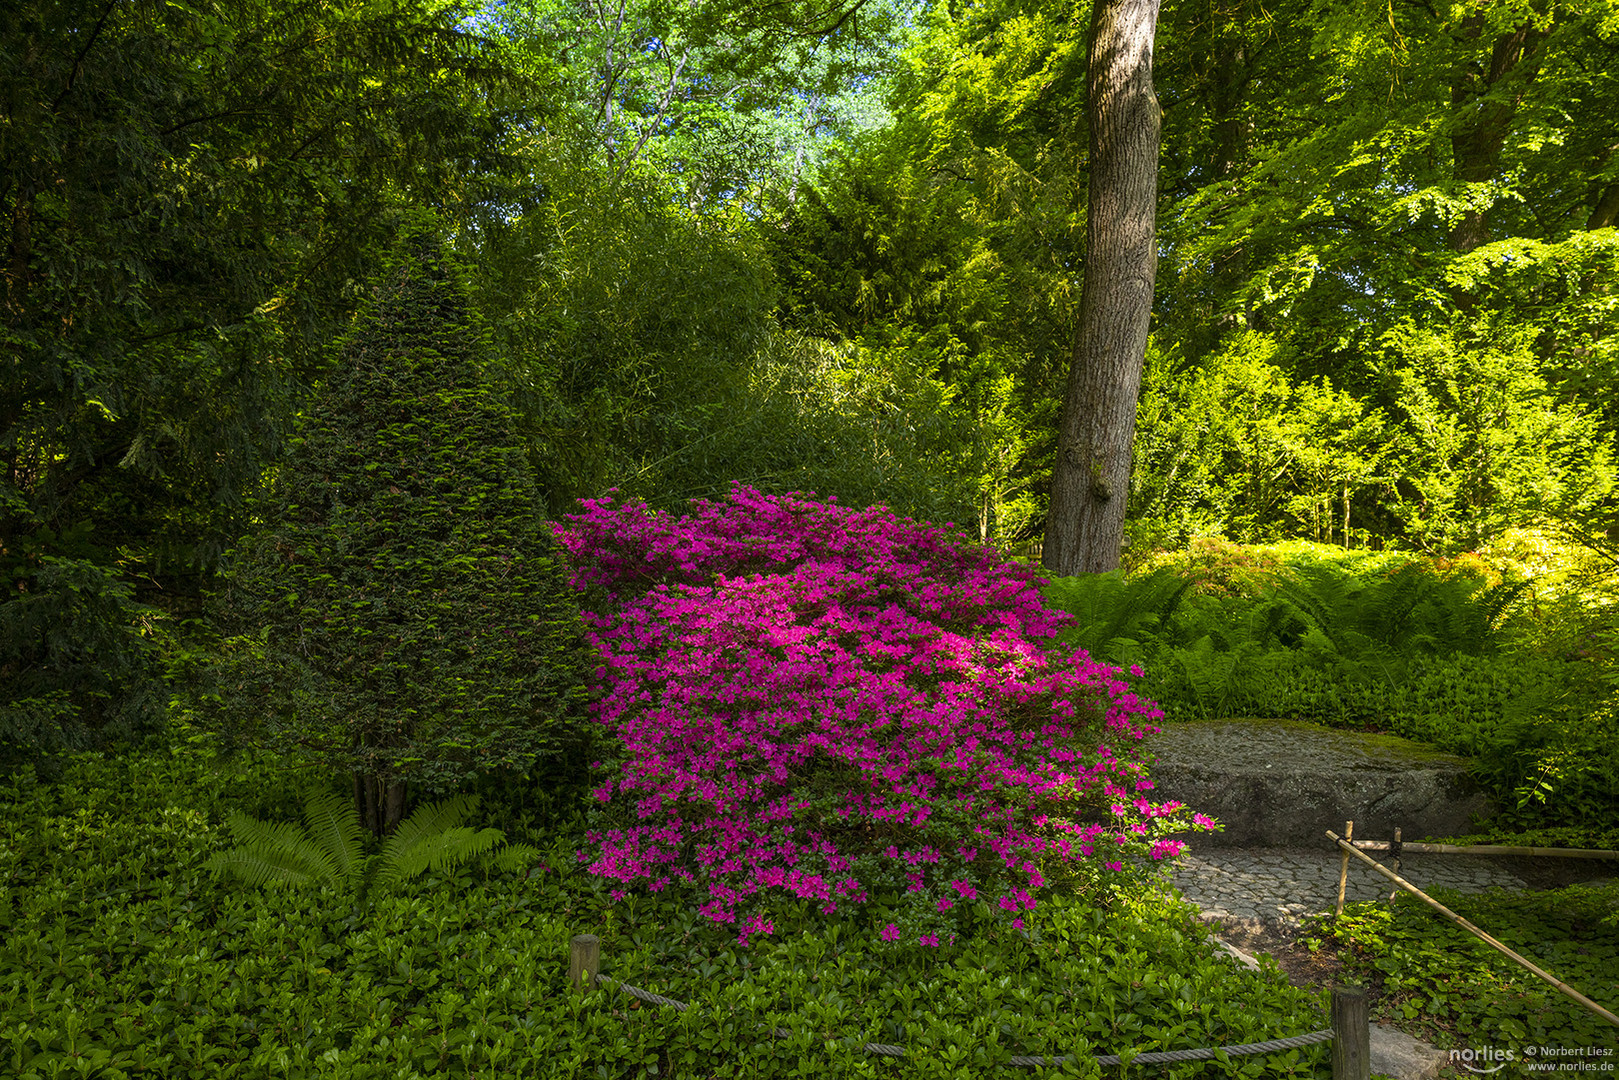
x: 1283, y: 885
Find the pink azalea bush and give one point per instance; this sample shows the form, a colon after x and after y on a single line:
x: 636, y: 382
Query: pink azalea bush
x: 843, y: 706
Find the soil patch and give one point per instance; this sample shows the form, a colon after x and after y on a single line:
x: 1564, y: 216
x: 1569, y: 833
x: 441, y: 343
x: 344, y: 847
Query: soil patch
x: 1284, y: 943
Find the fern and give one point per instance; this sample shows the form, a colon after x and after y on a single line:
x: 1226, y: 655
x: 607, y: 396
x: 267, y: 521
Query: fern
x: 268, y: 853
x: 334, y: 827
x: 329, y: 849
x: 514, y: 857
x: 434, y: 838
x: 1476, y: 626
x: 1113, y: 615
x: 1323, y: 597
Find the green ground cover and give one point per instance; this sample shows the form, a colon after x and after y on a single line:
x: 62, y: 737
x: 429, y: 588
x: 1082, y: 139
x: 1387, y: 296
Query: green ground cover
x: 1436, y: 980
x: 125, y: 957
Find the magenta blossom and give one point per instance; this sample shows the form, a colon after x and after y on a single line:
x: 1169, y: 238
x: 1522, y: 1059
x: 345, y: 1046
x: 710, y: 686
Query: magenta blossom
x: 812, y: 700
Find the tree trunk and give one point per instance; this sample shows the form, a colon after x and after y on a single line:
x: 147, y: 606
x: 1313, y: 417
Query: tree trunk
x: 379, y: 802
x: 1605, y: 212
x: 1090, y: 478
x: 1479, y: 139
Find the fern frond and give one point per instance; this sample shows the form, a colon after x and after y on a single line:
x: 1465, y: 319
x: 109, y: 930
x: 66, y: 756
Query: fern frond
x: 1322, y: 596
x: 1490, y: 607
x: 433, y: 836
x: 437, y: 851
x: 515, y: 857
x: 1111, y: 613
x: 334, y: 827
x: 434, y: 817
x: 272, y: 853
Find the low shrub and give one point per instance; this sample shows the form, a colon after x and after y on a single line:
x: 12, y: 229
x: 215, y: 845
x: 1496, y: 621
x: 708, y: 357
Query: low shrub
x: 839, y: 706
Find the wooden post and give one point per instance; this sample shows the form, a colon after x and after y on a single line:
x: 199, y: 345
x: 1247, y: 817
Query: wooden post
x: 1351, y: 1035
x: 584, y: 961
x: 1343, y: 870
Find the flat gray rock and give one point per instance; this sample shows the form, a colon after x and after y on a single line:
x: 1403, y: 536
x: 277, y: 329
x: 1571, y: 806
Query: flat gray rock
x: 1396, y: 1054
x: 1283, y: 783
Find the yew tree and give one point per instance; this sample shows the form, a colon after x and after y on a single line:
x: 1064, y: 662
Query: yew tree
x: 402, y: 613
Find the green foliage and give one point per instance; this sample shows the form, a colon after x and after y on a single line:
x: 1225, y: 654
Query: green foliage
x: 433, y: 838
x: 1483, y: 440
x: 1460, y: 992
x: 1386, y: 297
x: 1408, y: 203
x: 950, y: 241
x: 186, y: 195
x: 402, y: 613
x: 722, y: 104
x: 326, y: 851
x: 645, y: 357
x: 329, y: 850
x: 1113, y: 613
x: 629, y: 332
x: 104, y: 887
x: 78, y: 669
x: 1234, y: 445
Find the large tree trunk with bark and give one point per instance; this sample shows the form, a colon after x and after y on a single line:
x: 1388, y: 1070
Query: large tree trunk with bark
x: 1090, y: 478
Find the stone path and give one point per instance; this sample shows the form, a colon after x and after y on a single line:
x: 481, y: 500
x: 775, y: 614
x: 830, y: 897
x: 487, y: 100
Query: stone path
x: 1270, y: 884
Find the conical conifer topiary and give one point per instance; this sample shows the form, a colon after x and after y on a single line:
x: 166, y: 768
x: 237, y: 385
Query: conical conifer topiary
x: 404, y: 614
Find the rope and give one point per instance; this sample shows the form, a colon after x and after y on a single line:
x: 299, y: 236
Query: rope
x: 1041, y: 1061
x: 1200, y: 1054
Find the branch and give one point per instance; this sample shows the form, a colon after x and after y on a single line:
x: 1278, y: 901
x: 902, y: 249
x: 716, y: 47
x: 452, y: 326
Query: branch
x: 657, y: 117
x: 78, y: 63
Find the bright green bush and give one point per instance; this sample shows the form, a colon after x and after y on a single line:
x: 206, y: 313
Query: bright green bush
x: 402, y: 615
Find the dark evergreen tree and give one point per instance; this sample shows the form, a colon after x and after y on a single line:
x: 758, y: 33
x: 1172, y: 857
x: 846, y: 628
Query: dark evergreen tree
x: 402, y: 612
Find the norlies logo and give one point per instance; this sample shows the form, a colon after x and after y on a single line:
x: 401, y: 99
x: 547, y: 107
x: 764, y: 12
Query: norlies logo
x: 1485, y: 1060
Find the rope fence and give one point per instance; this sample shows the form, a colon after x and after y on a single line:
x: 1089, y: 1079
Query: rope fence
x: 1351, y: 1050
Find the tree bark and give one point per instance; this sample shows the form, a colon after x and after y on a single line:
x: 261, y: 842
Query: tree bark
x: 1477, y: 143
x: 1606, y: 210
x: 379, y: 802
x: 1090, y: 478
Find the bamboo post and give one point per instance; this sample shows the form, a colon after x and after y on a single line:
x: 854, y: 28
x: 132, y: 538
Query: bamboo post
x: 1349, y: 848
x: 584, y: 961
x: 1351, y: 1035
x: 1397, y: 851
x: 1343, y: 871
